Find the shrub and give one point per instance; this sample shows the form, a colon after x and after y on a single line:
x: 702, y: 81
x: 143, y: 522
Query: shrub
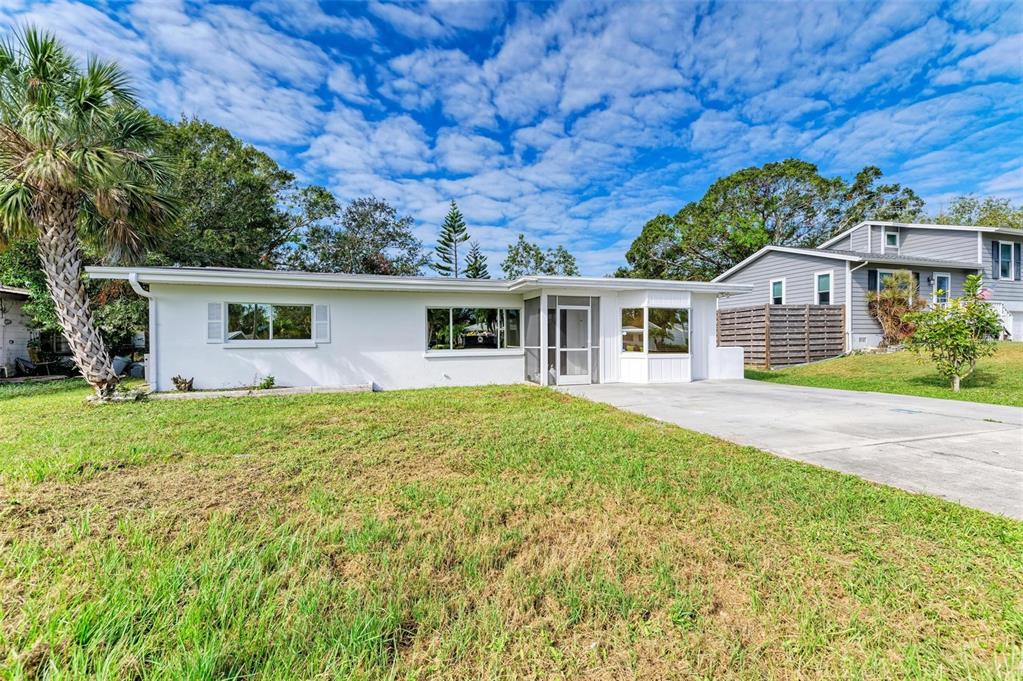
x: 266, y: 383
x: 891, y: 305
x: 957, y: 335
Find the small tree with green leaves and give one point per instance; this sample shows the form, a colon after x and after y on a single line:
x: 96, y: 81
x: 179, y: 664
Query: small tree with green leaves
x: 891, y: 306
x: 526, y: 258
x: 476, y: 263
x: 452, y: 233
x: 955, y: 336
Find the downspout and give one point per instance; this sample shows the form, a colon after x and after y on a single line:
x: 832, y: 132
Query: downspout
x: 848, y: 302
x: 154, y: 380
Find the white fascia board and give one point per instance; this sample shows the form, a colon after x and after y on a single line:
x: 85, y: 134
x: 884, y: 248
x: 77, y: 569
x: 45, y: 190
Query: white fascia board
x: 272, y: 278
x: 952, y: 228
x: 842, y: 235
x: 782, y: 249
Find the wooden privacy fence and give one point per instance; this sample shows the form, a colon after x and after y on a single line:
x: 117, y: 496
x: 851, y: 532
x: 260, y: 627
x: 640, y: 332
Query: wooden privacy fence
x: 782, y: 335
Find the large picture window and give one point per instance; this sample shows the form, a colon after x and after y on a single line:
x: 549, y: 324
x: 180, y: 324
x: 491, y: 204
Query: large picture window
x: 472, y: 328
x: 267, y: 322
x: 667, y: 330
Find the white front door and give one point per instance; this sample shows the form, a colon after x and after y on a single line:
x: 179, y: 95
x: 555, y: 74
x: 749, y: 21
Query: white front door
x: 573, y: 355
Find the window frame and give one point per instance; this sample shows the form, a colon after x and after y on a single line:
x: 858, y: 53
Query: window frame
x: 935, y: 288
x: 646, y: 331
x: 501, y: 326
x: 271, y: 341
x: 645, y: 352
x: 884, y: 238
x: 621, y: 331
x: 1002, y: 245
x: 770, y: 291
x: 880, y: 278
x: 831, y: 286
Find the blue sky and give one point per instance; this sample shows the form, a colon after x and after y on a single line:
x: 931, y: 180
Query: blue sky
x: 574, y: 123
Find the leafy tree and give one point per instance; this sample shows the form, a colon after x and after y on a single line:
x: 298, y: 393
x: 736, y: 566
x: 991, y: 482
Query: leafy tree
x: 526, y: 258
x: 981, y: 212
x: 77, y: 162
x: 452, y: 233
x: 958, y: 334
x: 892, y: 305
x: 238, y: 207
x: 476, y: 263
x: 786, y: 204
x: 20, y: 268
x: 370, y: 238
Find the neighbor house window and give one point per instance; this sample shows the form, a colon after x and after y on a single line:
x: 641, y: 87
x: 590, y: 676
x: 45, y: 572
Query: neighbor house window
x: 1005, y: 260
x: 667, y: 330
x: 267, y: 322
x: 942, y: 284
x: 822, y: 287
x: 777, y: 292
x: 632, y: 329
x: 472, y: 328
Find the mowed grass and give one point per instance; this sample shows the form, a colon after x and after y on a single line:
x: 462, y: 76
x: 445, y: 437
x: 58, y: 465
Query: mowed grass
x: 505, y: 532
x: 997, y: 380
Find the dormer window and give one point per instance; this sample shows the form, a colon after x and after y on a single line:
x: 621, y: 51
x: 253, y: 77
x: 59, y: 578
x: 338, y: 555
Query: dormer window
x: 891, y: 239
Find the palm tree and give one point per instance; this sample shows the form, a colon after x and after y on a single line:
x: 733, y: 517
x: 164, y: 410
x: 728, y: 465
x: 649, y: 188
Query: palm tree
x: 76, y: 166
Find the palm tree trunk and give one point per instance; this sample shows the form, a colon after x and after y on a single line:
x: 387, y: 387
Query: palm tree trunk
x: 61, y: 256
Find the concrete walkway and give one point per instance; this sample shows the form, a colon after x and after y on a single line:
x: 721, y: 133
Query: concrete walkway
x: 962, y: 451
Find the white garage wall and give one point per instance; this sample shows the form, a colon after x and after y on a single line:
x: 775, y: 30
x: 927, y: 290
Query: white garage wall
x: 374, y: 337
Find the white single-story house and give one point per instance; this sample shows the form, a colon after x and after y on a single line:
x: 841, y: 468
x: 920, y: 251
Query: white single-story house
x: 230, y: 328
x: 14, y: 329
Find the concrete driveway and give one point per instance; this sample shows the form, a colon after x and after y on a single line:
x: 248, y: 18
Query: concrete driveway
x: 962, y: 451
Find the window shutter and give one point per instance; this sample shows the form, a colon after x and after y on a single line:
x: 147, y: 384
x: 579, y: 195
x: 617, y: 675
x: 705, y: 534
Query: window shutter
x: 916, y: 282
x: 871, y: 280
x: 321, y: 323
x: 995, y: 267
x: 215, y: 323
x: 1017, y: 252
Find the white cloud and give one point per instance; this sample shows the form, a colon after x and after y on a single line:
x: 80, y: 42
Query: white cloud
x: 307, y: 17
x: 345, y: 82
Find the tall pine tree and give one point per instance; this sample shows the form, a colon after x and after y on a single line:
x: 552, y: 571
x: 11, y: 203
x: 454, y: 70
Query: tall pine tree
x: 476, y: 263
x: 452, y: 233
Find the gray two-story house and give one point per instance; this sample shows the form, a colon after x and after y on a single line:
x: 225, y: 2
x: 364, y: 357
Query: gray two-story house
x: 842, y: 269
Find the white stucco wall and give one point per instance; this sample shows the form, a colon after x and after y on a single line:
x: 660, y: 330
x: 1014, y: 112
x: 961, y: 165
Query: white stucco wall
x: 379, y: 337
x: 374, y: 337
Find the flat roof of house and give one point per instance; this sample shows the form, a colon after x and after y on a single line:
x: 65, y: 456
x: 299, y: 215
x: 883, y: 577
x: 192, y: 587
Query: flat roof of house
x: 849, y: 256
x: 219, y: 276
x: 924, y: 225
x: 11, y: 291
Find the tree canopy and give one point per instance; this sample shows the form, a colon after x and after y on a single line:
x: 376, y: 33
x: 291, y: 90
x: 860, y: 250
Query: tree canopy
x: 476, y: 263
x: 984, y: 212
x: 369, y: 238
x: 525, y: 258
x: 788, y: 203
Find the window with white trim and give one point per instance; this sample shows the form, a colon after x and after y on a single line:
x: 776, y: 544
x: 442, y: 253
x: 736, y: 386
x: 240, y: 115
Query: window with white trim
x: 822, y: 287
x: 269, y: 322
x: 942, y: 284
x: 472, y: 328
x: 655, y: 330
x: 891, y: 238
x: 1005, y: 259
x: 777, y: 287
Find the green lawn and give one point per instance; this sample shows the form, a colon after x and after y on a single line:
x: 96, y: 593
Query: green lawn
x: 470, y: 533
x: 997, y: 379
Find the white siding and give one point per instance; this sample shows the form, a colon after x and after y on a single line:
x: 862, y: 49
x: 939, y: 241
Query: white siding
x: 14, y: 336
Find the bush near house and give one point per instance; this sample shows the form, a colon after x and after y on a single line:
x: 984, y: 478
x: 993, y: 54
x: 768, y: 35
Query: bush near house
x: 955, y: 336
x: 487, y: 532
x: 893, y: 305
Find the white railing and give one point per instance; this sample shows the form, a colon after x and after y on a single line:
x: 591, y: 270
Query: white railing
x: 1005, y: 316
